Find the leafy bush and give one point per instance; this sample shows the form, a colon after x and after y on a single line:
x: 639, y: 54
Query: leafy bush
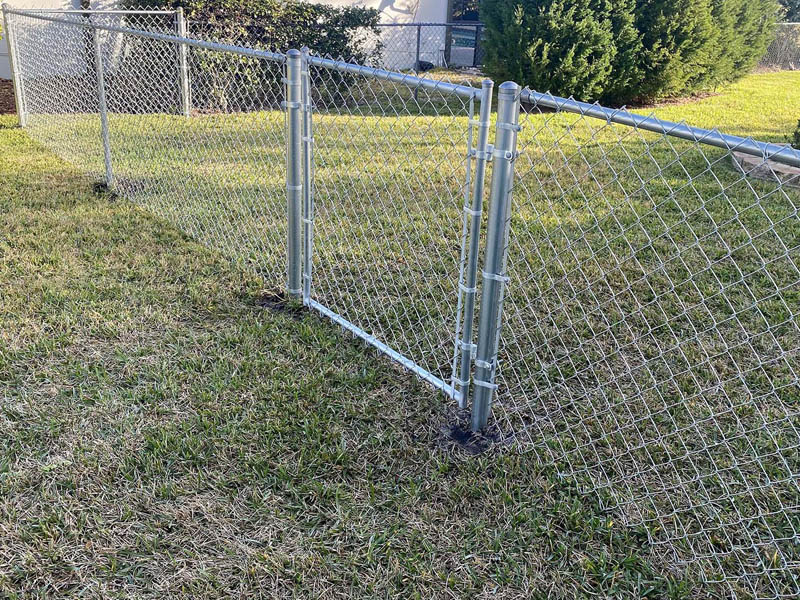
x: 791, y: 10
x: 796, y: 140
x: 224, y: 81
x: 625, y: 50
x: 348, y: 32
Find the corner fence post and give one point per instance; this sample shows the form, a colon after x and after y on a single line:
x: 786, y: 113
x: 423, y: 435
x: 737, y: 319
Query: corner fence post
x: 294, y: 170
x: 13, y: 57
x: 494, y: 276
x: 308, y: 165
x: 101, y: 98
x: 186, y: 99
x: 473, y: 210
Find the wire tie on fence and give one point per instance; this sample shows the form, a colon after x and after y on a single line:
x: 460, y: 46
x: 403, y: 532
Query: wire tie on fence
x: 307, y: 139
x: 510, y: 127
x: 472, y: 213
x: 485, y: 384
x: 306, y: 276
x: 505, y: 154
x: 308, y: 221
x: 496, y: 277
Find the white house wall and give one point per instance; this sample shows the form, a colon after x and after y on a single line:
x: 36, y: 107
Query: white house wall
x: 5, y: 66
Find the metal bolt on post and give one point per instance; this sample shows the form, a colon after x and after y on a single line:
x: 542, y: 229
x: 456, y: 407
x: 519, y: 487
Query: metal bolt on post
x: 13, y: 57
x: 308, y: 200
x: 183, y: 50
x: 101, y: 98
x: 473, y: 210
x: 494, y: 276
x: 294, y: 170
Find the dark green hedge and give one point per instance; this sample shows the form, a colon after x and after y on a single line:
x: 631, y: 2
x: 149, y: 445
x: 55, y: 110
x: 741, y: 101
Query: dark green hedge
x: 341, y: 32
x: 620, y: 51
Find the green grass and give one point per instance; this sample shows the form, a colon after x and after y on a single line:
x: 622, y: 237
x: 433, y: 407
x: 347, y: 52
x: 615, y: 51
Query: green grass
x: 169, y: 429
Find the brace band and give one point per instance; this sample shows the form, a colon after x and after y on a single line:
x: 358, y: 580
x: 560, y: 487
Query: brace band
x: 478, y: 123
x: 308, y: 221
x: 472, y: 213
x: 467, y: 290
x: 460, y: 382
x: 509, y: 127
x: 496, y: 277
x: 299, y: 291
x: 485, y: 384
x: 285, y: 105
x: 482, y: 364
x: 294, y: 188
x: 505, y: 154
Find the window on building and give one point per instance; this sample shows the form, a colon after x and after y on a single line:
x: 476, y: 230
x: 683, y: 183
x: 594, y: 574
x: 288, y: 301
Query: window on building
x: 464, y: 10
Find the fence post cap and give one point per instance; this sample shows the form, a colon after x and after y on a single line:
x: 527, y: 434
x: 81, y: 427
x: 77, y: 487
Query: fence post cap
x: 293, y: 53
x: 509, y: 87
x: 487, y: 83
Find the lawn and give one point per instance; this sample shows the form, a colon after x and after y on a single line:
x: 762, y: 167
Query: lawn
x: 169, y: 426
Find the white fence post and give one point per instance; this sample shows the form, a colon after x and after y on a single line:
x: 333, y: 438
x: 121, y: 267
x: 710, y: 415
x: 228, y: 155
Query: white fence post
x: 294, y: 170
x: 186, y: 98
x: 101, y: 99
x: 13, y: 57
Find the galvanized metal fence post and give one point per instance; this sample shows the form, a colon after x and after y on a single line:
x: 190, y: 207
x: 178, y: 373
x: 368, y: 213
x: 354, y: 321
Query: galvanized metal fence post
x: 419, y: 42
x: 308, y: 165
x: 13, y: 57
x: 101, y: 98
x: 186, y: 98
x: 294, y: 170
x: 494, y: 276
x: 473, y: 210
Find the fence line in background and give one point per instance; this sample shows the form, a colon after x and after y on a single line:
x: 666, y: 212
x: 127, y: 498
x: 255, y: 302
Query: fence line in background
x: 784, y: 51
x: 636, y: 309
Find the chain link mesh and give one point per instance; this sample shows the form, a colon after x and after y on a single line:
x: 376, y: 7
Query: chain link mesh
x: 389, y: 192
x: 784, y: 52
x: 650, y: 341
x: 219, y: 175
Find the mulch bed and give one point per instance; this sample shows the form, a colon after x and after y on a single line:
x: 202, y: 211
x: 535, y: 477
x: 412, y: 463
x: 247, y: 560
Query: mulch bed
x: 7, y: 104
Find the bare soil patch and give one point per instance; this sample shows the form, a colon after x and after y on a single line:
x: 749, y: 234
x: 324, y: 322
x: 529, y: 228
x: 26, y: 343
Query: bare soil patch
x: 7, y: 104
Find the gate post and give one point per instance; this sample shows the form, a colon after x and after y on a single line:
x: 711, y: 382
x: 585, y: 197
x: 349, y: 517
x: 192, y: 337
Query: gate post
x: 101, y: 98
x: 183, y: 67
x: 12, y: 59
x: 308, y: 165
x: 494, y: 276
x: 294, y: 170
x: 474, y: 210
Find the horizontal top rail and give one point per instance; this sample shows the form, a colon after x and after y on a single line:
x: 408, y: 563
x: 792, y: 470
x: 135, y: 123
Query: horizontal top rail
x: 432, y: 24
x: 264, y: 54
x: 712, y: 137
x: 68, y: 11
x: 410, y: 81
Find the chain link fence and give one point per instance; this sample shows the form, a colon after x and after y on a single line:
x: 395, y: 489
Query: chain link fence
x: 784, y: 52
x: 617, y: 294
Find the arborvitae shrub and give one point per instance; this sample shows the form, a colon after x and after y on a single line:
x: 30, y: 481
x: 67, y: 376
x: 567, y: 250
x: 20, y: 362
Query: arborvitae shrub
x: 620, y: 51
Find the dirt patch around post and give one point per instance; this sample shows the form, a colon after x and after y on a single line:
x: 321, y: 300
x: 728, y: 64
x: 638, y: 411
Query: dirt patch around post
x: 7, y: 104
